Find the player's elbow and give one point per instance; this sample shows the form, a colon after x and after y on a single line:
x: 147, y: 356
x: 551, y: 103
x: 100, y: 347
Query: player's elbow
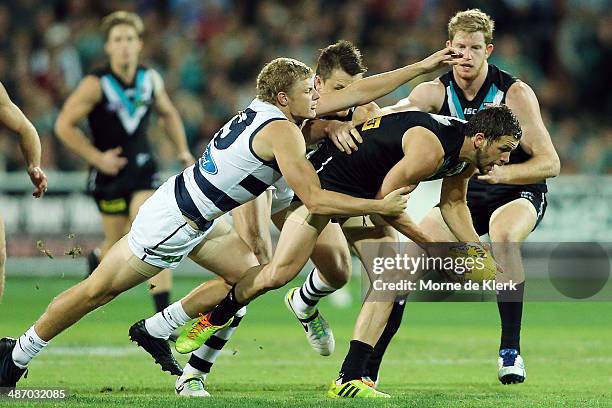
x: 554, y: 166
x: 60, y: 128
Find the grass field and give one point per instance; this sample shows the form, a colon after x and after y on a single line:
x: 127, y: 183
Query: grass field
x: 444, y: 355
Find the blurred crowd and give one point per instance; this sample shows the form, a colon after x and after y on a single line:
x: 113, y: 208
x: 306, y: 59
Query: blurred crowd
x: 210, y: 51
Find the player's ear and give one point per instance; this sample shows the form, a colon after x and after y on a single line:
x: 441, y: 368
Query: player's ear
x: 479, y: 140
x: 448, y: 43
x: 489, y: 49
x: 318, y: 83
x: 282, y: 98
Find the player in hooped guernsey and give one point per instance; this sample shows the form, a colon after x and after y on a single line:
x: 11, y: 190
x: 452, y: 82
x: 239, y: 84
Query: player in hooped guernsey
x: 175, y: 221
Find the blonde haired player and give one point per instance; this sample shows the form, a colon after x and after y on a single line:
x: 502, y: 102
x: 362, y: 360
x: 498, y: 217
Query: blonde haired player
x: 181, y: 218
x: 509, y: 201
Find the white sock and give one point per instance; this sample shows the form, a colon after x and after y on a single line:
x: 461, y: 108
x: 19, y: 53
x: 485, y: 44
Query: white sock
x: 28, y: 346
x: 162, y: 324
x: 306, y: 298
x: 190, y: 370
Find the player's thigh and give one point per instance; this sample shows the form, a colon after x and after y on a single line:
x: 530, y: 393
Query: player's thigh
x: 433, y: 224
x: 224, y: 253
x: 331, y: 255
x: 297, y: 241
x: 119, y: 270
x: 513, y: 222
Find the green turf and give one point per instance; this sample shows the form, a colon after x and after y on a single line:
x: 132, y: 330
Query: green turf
x: 444, y: 355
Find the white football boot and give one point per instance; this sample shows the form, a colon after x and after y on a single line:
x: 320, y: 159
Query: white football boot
x: 510, y: 367
x: 191, y: 385
x: 318, y: 333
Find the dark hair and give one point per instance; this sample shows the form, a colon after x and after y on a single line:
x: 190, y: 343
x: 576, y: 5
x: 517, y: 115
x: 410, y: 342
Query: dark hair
x: 494, y: 121
x: 341, y: 55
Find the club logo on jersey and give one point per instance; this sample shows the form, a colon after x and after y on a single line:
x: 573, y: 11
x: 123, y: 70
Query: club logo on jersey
x: 207, y: 163
x: 371, y: 124
x: 470, y: 111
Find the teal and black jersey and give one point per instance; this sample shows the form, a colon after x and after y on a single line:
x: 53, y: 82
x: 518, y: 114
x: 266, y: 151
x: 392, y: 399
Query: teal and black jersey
x: 492, y: 92
x: 361, y: 173
x: 121, y: 119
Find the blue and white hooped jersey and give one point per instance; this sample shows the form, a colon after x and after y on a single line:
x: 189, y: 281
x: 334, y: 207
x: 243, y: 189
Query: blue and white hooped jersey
x: 229, y: 173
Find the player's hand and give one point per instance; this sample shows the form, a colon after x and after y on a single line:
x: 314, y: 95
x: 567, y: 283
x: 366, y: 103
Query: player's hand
x: 495, y: 176
x: 447, y: 56
x: 395, y: 202
x: 110, y: 162
x: 185, y: 158
x: 39, y: 179
x: 344, y: 135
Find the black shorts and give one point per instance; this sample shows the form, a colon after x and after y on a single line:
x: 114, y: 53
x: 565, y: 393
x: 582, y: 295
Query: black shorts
x: 483, y: 202
x: 114, y: 194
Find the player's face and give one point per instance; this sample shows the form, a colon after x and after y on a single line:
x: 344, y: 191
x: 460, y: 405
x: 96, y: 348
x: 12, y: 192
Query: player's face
x: 302, y: 99
x: 338, y: 79
x: 123, y: 45
x: 493, y: 153
x: 475, y: 53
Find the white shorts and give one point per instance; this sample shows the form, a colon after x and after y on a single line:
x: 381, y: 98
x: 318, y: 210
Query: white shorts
x: 160, y: 234
x: 282, y: 195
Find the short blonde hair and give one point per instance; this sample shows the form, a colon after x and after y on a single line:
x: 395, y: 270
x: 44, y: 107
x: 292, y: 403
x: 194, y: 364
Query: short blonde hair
x: 279, y: 75
x: 122, y: 17
x: 471, y: 21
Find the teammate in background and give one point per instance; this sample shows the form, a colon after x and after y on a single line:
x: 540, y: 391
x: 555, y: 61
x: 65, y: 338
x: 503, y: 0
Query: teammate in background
x: 12, y: 117
x: 399, y: 151
x: 508, y: 202
x: 181, y: 219
x: 117, y: 101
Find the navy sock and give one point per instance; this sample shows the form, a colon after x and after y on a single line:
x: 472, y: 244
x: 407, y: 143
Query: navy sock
x: 393, y: 324
x: 511, y: 315
x: 161, y: 300
x: 226, y: 309
x: 355, y: 361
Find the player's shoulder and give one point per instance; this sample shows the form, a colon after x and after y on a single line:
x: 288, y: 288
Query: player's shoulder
x: 519, y: 92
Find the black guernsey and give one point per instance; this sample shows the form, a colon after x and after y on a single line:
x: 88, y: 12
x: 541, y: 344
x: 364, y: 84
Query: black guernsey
x: 492, y: 92
x: 361, y: 173
x: 121, y: 119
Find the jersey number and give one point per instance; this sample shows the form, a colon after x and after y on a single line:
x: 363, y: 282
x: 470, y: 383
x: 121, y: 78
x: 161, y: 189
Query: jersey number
x: 371, y: 124
x: 238, y: 125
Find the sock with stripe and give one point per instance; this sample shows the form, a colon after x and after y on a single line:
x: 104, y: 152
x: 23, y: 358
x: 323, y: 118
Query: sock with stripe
x: 305, y: 299
x: 162, y: 324
x: 202, y: 360
x: 355, y: 361
x: 27, y: 347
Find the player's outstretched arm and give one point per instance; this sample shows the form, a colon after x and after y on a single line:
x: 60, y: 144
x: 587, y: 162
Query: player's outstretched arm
x: 369, y: 89
x: 171, y: 120
x: 12, y: 117
x: 290, y: 154
x: 544, y: 162
x: 454, y: 209
x: 78, y: 105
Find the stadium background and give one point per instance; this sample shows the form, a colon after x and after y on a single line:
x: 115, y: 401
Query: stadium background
x: 209, y: 52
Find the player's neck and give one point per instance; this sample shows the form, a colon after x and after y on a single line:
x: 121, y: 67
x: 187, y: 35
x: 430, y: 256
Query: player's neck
x: 470, y: 87
x: 124, y: 72
x: 467, y: 153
